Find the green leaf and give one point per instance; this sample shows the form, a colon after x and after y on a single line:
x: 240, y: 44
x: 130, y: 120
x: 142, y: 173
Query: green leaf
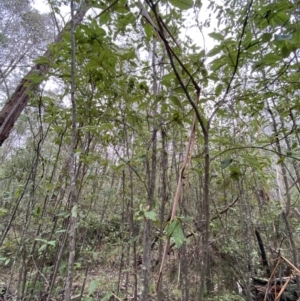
x: 222, y: 113
x: 281, y: 18
x: 216, y: 50
x: 148, y: 30
x: 42, y: 60
x: 218, y: 63
x: 61, y: 231
x: 98, y: 4
x: 38, y: 210
x: 271, y: 58
x: 226, y: 162
x: 284, y: 5
x: 52, y: 243
x: 34, y: 77
x: 175, y: 101
x: 235, y: 172
x: 171, y: 227
x: 296, y: 36
x: 219, y: 89
x: 142, y: 158
x: 106, y: 126
x: 121, y: 9
x: 280, y: 160
x: 248, y: 39
x: 150, y: 215
x: 129, y: 55
x: 251, y: 161
x: 182, y: 4
x: 293, y: 47
x: 174, y: 230
x: 285, y: 51
x: 105, y: 18
x: 266, y: 37
x: 3, y: 211
x: 178, y: 235
x: 41, y: 240
x: 167, y: 79
x: 263, y: 24
x: 93, y: 286
x: 217, y: 36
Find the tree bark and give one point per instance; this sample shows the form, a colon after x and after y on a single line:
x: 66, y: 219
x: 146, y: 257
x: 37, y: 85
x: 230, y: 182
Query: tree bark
x: 146, y: 268
x: 72, y: 169
x: 19, y: 99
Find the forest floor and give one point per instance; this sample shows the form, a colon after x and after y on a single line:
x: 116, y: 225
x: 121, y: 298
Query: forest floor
x: 101, y: 283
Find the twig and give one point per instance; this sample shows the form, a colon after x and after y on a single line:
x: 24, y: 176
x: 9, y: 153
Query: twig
x: 283, y: 288
x: 290, y: 264
x: 271, y: 277
x: 106, y: 9
x: 229, y: 206
x: 116, y: 297
x: 40, y: 272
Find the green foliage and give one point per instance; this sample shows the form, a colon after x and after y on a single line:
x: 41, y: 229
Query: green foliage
x: 217, y: 36
x: 7, y: 250
x: 107, y: 296
x: 144, y: 214
x: 249, y: 85
x: 175, y: 231
x: 93, y: 286
x: 182, y: 4
x: 3, y: 211
x: 226, y: 162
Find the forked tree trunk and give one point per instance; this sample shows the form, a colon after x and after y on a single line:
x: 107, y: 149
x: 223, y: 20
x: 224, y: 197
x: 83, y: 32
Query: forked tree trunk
x: 18, y: 101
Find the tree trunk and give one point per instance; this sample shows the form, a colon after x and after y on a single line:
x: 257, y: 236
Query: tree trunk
x: 72, y: 169
x: 18, y: 101
x: 146, y: 269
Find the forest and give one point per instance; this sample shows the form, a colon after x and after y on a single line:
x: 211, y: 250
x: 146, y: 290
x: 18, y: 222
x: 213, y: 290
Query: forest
x: 149, y: 150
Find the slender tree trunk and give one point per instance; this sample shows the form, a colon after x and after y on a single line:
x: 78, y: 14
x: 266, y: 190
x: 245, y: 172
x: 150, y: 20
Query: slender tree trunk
x: 72, y: 169
x: 133, y: 233
x: 164, y: 197
x: 286, y: 203
x: 151, y: 184
x: 206, y: 209
x: 18, y: 101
